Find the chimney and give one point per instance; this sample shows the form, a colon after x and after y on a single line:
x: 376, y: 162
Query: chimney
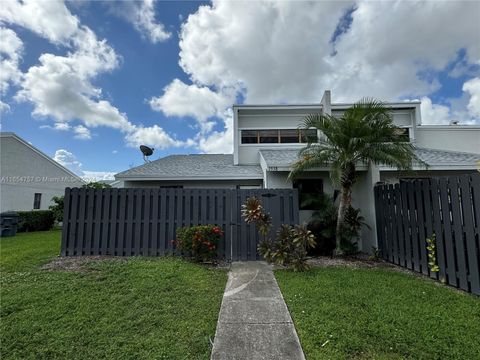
x: 327, y: 102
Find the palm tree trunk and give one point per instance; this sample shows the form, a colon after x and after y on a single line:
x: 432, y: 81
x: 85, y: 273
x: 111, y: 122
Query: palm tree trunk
x: 348, y: 179
x: 345, y: 202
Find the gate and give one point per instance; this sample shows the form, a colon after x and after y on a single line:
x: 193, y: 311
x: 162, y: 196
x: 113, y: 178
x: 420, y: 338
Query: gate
x: 136, y: 221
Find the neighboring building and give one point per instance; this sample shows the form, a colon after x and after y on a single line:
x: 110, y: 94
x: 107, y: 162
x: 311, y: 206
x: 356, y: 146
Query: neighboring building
x: 266, y: 142
x: 28, y: 177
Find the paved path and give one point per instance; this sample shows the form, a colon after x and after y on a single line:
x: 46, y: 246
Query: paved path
x: 254, y: 321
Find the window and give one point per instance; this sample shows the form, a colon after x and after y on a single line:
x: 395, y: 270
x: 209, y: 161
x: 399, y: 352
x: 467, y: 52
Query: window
x: 36, y: 201
x: 404, y: 134
x: 249, y: 137
x: 268, y: 136
x: 289, y: 136
x: 308, y: 135
x: 308, y: 188
x: 275, y: 136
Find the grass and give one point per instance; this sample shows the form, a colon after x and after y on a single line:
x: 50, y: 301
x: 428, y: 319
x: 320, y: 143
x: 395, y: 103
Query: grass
x: 139, y: 308
x: 345, y: 313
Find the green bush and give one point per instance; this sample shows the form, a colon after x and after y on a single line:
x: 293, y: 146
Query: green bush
x: 57, y: 209
x: 289, y: 248
x: 36, y: 220
x: 199, y: 242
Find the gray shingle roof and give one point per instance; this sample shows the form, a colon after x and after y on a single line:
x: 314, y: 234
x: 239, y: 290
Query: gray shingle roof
x: 447, y: 158
x: 286, y: 157
x: 193, y: 166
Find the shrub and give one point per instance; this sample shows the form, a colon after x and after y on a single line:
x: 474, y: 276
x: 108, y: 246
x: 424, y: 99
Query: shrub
x: 199, y: 242
x: 36, y: 220
x: 253, y: 212
x: 57, y: 209
x: 289, y: 248
x: 322, y: 224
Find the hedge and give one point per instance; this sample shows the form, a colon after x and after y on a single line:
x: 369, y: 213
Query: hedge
x: 36, y: 220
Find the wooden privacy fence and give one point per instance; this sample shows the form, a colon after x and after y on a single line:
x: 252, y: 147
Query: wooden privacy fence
x: 449, y: 207
x: 135, y: 221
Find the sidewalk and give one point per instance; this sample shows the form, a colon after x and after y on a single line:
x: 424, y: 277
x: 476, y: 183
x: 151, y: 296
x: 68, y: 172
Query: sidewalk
x: 254, y: 322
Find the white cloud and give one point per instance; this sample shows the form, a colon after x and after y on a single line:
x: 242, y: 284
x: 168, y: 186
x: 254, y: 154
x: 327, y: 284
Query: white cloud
x: 82, y: 133
x: 11, y: 48
x: 61, y: 126
x: 69, y: 160
x: 98, y: 175
x: 199, y: 102
x: 61, y: 87
x: 219, y: 142
x: 153, y: 136
x: 282, y: 52
x: 141, y: 14
x: 434, y: 114
x: 473, y: 88
x: 49, y: 19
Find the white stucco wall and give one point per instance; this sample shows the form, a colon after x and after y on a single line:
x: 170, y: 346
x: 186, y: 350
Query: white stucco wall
x: 24, y: 172
x: 453, y: 138
x: 363, y: 198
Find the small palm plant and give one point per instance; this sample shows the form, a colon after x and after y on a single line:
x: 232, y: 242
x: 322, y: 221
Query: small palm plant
x: 364, y: 133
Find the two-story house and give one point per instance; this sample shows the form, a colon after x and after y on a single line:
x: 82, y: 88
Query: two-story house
x: 266, y: 142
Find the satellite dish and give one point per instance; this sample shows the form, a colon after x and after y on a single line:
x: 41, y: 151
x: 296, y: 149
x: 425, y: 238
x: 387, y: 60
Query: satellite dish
x: 146, y: 151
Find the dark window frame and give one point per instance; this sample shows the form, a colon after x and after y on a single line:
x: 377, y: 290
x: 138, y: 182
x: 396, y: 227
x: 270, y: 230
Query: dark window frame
x: 247, y: 136
x: 37, y: 201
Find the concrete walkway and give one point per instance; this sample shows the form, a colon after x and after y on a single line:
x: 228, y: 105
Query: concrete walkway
x: 254, y: 321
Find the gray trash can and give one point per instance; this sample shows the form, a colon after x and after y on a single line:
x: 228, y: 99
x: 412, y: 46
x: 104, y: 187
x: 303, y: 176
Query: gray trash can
x: 8, y: 223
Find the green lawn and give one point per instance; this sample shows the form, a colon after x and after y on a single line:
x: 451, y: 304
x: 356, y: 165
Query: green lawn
x: 140, y: 308
x: 380, y: 314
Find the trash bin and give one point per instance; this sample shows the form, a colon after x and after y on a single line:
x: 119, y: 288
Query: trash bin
x: 8, y: 223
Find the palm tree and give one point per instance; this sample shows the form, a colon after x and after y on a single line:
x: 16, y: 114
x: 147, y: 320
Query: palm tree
x: 364, y: 133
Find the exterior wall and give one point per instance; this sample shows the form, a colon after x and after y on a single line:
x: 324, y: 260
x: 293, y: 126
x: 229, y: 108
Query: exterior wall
x: 270, y: 118
x: 453, y: 138
x: 195, y: 184
x: 277, y: 180
x: 363, y: 198
x: 24, y: 172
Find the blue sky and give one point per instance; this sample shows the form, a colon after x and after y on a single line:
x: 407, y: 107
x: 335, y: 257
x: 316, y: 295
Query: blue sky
x: 93, y: 80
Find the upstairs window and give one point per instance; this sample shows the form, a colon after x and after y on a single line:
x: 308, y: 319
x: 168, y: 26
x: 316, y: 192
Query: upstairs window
x: 308, y: 135
x: 405, y: 134
x: 282, y: 136
x: 249, y: 137
x: 289, y: 136
x: 36, y: 201
x: 268, y: 136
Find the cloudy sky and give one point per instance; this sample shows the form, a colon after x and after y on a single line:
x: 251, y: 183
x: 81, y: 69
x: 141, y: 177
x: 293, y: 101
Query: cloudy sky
x: 88, y: 82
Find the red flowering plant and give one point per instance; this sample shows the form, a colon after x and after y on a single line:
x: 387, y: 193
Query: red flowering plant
x: 199, y: 242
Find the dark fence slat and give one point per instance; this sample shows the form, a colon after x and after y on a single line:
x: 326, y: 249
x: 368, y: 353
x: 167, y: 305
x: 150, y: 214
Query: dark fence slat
x: 97, y: 225
x: 105, y: 220
x: 447, y: 233
x: 458, y: 233
x: 421, y: 228
x: 66, y: 222
x: 468, y: 222
x: 155, y: 223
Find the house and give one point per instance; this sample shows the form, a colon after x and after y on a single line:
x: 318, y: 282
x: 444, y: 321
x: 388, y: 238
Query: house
x: 266, y: 142
x: 28, y: 177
